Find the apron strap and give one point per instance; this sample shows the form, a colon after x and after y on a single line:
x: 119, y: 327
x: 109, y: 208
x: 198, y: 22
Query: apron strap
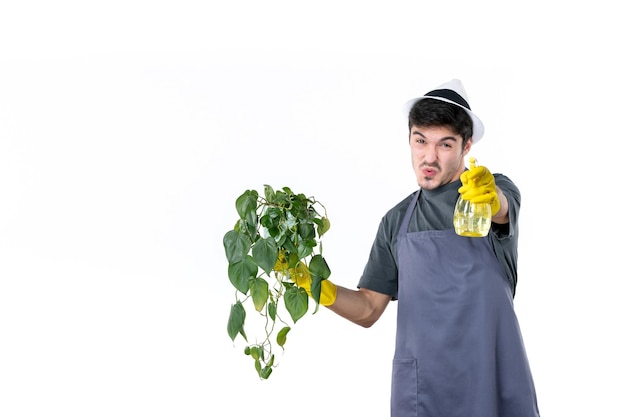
x: 404, y: 226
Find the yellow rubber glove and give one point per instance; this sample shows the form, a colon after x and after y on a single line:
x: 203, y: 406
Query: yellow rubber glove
x: 479, y: 186
x: 302, y: 277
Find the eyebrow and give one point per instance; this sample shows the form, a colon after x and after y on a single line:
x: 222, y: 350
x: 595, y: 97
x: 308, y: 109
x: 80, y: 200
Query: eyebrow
x: 452, y: 138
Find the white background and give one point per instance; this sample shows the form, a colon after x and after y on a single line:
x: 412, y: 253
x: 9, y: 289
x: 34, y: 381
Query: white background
x: 128, y: 129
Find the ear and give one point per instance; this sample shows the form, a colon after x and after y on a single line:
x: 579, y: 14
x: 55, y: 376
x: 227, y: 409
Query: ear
x: 468, y: 146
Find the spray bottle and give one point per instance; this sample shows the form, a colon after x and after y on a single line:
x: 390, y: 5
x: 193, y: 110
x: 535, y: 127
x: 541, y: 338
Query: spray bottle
x: 472, y: 220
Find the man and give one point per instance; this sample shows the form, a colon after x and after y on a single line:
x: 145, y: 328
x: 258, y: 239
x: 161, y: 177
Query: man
x: 459, y: 351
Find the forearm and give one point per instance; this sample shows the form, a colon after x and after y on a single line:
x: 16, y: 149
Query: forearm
x: 362, y: 307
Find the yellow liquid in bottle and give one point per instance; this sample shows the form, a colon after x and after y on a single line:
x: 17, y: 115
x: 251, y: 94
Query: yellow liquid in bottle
x: 472, y: 220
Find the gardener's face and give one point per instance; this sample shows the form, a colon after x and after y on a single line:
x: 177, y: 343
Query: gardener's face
x: 437, y: 155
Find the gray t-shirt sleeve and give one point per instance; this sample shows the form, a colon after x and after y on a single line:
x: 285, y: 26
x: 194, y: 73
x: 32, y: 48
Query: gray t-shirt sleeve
x: 504, y: 238
x: 381, y: 271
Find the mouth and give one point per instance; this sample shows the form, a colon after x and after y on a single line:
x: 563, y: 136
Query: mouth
x: 429, y: 172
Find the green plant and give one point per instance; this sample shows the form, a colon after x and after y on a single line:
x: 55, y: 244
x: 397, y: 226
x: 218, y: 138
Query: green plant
x: 276, y: 236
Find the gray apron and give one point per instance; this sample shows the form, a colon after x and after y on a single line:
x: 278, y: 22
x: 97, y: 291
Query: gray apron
x: 459, y: 350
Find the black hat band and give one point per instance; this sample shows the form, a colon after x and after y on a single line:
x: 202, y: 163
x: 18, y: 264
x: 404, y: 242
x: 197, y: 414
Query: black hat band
x: 450, y: 95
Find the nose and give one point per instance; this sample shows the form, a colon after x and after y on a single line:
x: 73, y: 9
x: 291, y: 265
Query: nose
x: 430, y: 155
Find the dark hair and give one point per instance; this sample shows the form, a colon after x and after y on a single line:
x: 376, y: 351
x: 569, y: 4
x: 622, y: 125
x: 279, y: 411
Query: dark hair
x: 431, y: 112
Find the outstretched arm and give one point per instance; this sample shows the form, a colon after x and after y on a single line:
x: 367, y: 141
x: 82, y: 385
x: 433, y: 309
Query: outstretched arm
x: 363, y: 307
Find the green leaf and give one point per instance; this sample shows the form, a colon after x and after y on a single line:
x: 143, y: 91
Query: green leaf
x: 265, y: 254
x: 281, y: 339
x: 265, y: 372
x: 319, y: 267
x: 281, y: 199
x: 252, y: 220
x: 236, y: 320
x: 271, y: 310
x: 259, y: 290
x: 256, y: 352
x: 236, y: 245
x: 306, y: 231
x: 316, y: 288
x: 289, y: 246
x: 304, y: 249
x: 240, y: 273
x: 297, y: 206
x: 296, y: 302
x: 266, y: 221
x: 246, y: 203
x: 322, y: 226
x: 293, y: 260
x: 269, y: 193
